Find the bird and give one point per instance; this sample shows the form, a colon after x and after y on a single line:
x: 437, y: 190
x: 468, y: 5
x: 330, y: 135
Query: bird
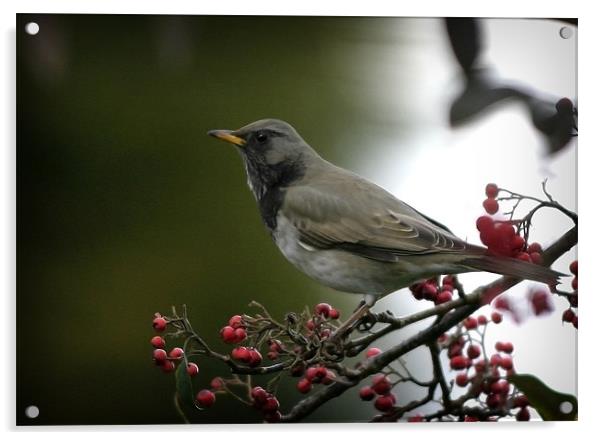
x: 346, y: 232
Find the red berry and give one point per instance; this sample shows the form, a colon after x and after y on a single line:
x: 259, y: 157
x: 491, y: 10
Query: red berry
x: 329, y: 378
x: 471, y: 419
x: 506, y: 363
x: 176, y: 353
x: 493, y: 400
x: 158, y: 342
x: 536, y: 258
x: 322, y: 309
x: 429, y: 291
x: 259, y: 395
x: 443, y: 297
x: 367, y: 393
x: 524, y: 257
x: 573, y: 267
x: 205, y: 398
x: 311, y: 374
x: 480, y: 366
x: 495, y: 360
x: 381, y: 384
x: 500, y: 387
x: 473, y: 351
x: 496, y: 317
x: 271, y: 404
x: 159, y: 355
x: 517, y: 243
x: 373, y: 351
x: 310, y: 325
x: 334, y: 314
x: 482, y: 319
x: 240, y: 334
x: 454, y: 350
x: 491, y: 190
x: 458, y: 362
x: 523, y: 415
x: 241, y: 354
x: 168, y: 366
x: 276, y: 345
x: 192, y: 369
x: 520, y: 401
x: 501, y: 303
x: 159, y: 324
x: 471, y: 323
x: 462, y: 379
x: 236, y: 322
x: 384, y: 403
x: 255, y: 357
x: 321, y: 373
x: 540, y: 302
x: 534, y: 247
x: 217, y: 383
x: 228, y: 335
x: 304, y: 386
x: 491, y: 206
x: 448, y: 280
x: 506, y: 347
x: 574, y: 283
x: 575, y: 321
x: 416, y: 290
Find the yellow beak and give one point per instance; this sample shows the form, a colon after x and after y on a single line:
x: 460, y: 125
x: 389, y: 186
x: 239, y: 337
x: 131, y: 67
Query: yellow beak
x: 226, y: 135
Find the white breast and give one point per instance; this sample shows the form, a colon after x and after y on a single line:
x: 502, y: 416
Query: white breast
x: 336, y: 269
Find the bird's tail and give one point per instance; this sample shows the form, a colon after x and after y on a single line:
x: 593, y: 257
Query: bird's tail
x: 513, y: 267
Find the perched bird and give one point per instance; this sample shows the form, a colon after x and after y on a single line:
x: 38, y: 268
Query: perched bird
x: 345, y: 231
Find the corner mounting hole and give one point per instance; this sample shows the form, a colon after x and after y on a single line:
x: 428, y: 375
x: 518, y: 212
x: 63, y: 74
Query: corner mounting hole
x: 566, y: 407
x: 32, y: 411
x: 32, y: 28
x: 566, y: 32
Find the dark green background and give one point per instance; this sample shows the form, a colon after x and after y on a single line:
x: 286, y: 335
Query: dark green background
x: 125, y: 206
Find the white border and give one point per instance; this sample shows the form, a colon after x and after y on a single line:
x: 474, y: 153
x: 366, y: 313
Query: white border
x: 589, y: 197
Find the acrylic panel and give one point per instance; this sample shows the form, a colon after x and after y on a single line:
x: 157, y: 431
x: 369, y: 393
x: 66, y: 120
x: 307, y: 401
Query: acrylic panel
x: 153, y: 287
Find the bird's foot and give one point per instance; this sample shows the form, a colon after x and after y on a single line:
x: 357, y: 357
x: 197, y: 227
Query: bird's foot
x: 350, y: 324
x: 366, y: 322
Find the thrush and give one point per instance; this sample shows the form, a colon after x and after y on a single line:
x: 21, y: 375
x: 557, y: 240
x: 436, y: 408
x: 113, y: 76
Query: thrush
x: 346, y: 232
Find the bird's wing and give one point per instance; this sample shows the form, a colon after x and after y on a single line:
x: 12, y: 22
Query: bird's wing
x: 356, y: 215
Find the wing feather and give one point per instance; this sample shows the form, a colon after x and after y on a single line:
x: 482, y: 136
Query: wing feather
x: 363, y: 218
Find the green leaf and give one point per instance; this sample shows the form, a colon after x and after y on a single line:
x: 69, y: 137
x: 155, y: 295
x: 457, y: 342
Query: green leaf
x: 548, y: 402
x: 184, y: 385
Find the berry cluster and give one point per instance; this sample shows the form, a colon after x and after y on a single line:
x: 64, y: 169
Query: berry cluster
x: 235, y: 332
x: 381, y: 386
x: 169, y: 361
x: 315, y: 375
x: 319, y: 323
x: 431, y: 290
x: 267, y: 403
x: 501, y: 236
x: 486, y: 375
x: 570, y: 314
x: 247, y: 355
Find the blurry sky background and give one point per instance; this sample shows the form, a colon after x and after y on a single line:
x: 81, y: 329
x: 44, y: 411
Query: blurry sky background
x: 125, y: 206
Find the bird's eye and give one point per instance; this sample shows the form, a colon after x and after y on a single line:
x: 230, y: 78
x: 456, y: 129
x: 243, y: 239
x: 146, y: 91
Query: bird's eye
x: 261, y: 137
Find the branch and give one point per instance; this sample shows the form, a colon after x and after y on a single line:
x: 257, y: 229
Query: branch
x: 473, y: 302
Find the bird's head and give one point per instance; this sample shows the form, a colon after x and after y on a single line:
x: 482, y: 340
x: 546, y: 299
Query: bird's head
x: 273, y: 152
